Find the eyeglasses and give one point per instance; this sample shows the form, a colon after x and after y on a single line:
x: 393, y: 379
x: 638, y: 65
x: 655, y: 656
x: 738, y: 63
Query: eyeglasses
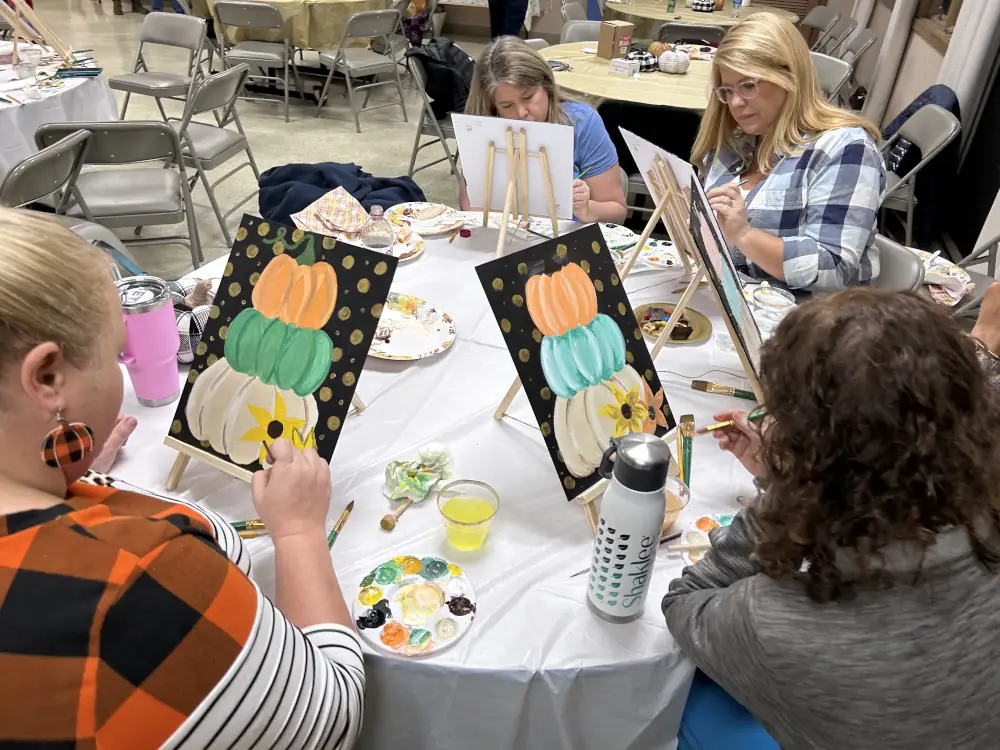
x: 746, y: 89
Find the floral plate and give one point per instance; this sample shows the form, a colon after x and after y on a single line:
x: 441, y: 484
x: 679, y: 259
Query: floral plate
x: 410, y: 329
x: 414, y: 606
x: 653, y: 317
x: 943, y: 267
x: 445, y: 222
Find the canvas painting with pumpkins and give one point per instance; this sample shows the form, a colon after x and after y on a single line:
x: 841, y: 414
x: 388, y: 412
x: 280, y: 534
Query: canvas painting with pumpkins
x: 284, y: 347
x: 578, y: 350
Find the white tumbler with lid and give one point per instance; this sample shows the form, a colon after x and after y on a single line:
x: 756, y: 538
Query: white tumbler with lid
x: 628, y: 532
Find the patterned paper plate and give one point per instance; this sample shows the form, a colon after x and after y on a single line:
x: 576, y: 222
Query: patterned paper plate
x: 698, y: 533
x: 944, y: 267
x: 427, y: 219
x: 654, y: 316
x: 661, y: 254
x: 618, y: 238
x: 414, y: 606
x: 410, y: 329
x: 403, y: 251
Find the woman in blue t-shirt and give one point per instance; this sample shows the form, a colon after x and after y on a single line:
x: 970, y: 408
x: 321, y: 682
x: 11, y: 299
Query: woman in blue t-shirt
x: 513, y: 81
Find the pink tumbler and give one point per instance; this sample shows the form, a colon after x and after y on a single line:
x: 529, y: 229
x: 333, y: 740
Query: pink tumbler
x: 151, y: 346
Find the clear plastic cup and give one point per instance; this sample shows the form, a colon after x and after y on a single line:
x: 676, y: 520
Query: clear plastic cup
x: 677, y: 496
x: 467, y: 510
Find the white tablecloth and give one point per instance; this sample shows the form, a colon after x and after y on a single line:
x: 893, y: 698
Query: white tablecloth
x: 537, y: 670
x: 79, y: 100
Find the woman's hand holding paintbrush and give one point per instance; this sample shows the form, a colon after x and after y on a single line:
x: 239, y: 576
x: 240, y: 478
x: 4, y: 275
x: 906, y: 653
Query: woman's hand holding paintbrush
x: 742, y: 439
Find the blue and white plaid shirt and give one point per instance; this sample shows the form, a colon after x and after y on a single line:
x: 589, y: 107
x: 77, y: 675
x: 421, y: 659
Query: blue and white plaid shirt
x: 822, y: 200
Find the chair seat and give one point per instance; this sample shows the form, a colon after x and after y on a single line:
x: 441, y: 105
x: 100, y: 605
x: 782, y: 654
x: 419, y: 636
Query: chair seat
x: 894, y: 202
x: 209, y: 141
x: 358, y: 62
x: 151, y: 83
x: 128, y: 192
x: 273, y: 52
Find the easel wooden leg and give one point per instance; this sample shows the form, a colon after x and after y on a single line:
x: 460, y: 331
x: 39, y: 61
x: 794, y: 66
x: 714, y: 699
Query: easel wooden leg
x: 549, y: 194
x: 177, y: 471
x: 646, y: 232
x: 591, y: 510
x: 511, y: 190
x: 675, y: 316
x: 522, y: 144
x: 358, y: 404
x: 491, y: 154
x: 507, y: 399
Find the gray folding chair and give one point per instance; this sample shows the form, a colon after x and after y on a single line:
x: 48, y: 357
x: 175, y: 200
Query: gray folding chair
x: 264, y: 55
x: 573, y: 11
x: 355, y: 62
x: 210, y: 145
x: 440, y: 130
x: 144, y: 196
x: 673, y: 32
x: 831, y: 72
x: 930, y: 129
x: 822, y: 19
x: 53, y: 169
x: 536, y: 44
x: 857, y: 47
x: 580, y: 31
x: 168, y: 30
x: 844, y: 28
x: 900, y: 269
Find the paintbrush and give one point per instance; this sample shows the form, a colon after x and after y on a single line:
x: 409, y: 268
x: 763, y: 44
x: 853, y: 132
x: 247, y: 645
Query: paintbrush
x: 689, y: 547
x: 388, y: 521
x: 254, y: 524
x: 584, y: 173
x: 725, y: 390
x: 753, y: 416
x: 663, y: 540
x: 680, y: 451
x: 250, y: 534
x: 339, y: 525
x: 687, y: 433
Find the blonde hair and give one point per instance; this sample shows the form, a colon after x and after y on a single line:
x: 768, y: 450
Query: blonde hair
x: 51, y: 289
x: 768, y: 47
x: 509, y: 60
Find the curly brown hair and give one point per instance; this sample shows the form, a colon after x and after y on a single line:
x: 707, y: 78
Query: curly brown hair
x: 882, y: 428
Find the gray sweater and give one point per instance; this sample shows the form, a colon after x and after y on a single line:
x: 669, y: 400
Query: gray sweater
x: 913, y: 667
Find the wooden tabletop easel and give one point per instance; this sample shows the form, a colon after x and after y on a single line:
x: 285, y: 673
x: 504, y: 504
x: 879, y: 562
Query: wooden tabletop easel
x: 186, y: 452
x: 28, y: 27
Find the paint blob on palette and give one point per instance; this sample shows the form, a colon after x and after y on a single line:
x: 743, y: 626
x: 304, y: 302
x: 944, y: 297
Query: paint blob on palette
x: 699, y: 534
x: 414, y: 606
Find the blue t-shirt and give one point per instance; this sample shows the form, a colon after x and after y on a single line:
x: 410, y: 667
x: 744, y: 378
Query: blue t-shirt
x: 593, y: 151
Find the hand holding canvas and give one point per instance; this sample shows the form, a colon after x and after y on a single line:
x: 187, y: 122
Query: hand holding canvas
x: 292, y: 498
x: 731, y: 211
x: 742, y: 440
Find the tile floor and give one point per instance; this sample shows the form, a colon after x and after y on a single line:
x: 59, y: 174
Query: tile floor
x: 382, y: 148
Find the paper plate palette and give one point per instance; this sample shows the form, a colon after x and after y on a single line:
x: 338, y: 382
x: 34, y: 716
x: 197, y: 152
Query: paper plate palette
x: 414, y: 606
x: 653, y: 317
x: 618, y: 238
x: 661, y: 254
x: 427, y: 219
x: 699, y: 534
x: 412, y: 248
x: 411, y: 328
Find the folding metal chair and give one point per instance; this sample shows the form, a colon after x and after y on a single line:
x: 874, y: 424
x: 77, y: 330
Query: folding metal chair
x: 441, y: 130
x: 355, y: 62
x: 573, y: 11
x: 580, y: 31
x: 265, y: 55
x: 168, y: 30
x: 53, y: 169
x: 857, y: 47
x: 831, y: 72
x: 823, y: 19
x: 210, y: 145
x: 144, y: 196
x: 900, y: 269
x: 930, y: 129
x: 844, y: 28
x: 697, y: 32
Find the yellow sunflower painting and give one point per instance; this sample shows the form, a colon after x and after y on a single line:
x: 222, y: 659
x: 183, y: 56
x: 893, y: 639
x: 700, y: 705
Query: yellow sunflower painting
x: 271, y: 427
x: 628, y: 411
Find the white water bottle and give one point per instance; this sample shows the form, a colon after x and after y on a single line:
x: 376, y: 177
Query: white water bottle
x: 628, y: 532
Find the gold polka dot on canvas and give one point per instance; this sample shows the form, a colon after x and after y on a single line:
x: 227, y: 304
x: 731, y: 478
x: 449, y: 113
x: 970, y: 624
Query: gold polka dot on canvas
x: 348, y: 379
x: 357, y: 337
x: 348, y: 262
x: 252, y: 251
x: 364, y: 285
x: 333, y: 423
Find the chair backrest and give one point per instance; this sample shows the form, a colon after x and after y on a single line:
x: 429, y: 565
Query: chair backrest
x: 674, y: 32
x: 844, y: 28
x: 831, y: 71
x: 173, y: 30
x: 860, y: 44
x: 536, y: 43
x: 248, y: 15
x: 218, y: 91
x: 580, y: 31
x: 930, y: 129
x: 46, y: 171
x: 126, y: 142
x: 821, y: 17
x: 371, y: 23
x: 900, y: 269
x: 573, y: 11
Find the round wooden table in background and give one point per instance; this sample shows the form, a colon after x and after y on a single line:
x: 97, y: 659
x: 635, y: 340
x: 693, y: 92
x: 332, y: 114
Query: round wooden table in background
x: 639, y: 12
x: 591, y: 76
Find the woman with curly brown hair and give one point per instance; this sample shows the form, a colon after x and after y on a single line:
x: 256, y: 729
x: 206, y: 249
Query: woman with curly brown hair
x: 859, y: 596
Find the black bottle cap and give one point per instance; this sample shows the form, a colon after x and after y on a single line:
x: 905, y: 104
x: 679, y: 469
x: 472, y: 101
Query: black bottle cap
x: 641, y: 462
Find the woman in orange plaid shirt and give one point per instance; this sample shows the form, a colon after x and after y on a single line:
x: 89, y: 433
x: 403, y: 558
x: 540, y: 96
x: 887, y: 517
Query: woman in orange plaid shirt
x: 126, y: 620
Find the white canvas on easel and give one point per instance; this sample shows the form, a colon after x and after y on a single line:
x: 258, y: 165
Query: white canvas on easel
x: 475, y: 135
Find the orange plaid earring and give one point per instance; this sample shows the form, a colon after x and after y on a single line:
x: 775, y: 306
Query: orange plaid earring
x: 68, y: 443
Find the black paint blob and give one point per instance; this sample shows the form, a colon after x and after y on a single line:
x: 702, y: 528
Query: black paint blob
x: 460, y: 605
x: 376, y: 616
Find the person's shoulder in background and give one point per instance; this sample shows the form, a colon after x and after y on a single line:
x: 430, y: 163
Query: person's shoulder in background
x: 593, y: 150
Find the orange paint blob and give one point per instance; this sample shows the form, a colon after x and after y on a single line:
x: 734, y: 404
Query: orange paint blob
x: 394, y: 635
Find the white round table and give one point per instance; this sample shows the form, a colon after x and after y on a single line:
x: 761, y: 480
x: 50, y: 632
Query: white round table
x: 537, y: 670
x: 78, y: 100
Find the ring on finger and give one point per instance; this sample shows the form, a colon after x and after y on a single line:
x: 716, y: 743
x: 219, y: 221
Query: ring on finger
x: 730, y: 202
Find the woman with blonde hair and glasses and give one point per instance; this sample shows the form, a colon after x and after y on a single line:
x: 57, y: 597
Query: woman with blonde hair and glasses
x: 513, y: 81
x: 129, y: 620
x: 794, y: 181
